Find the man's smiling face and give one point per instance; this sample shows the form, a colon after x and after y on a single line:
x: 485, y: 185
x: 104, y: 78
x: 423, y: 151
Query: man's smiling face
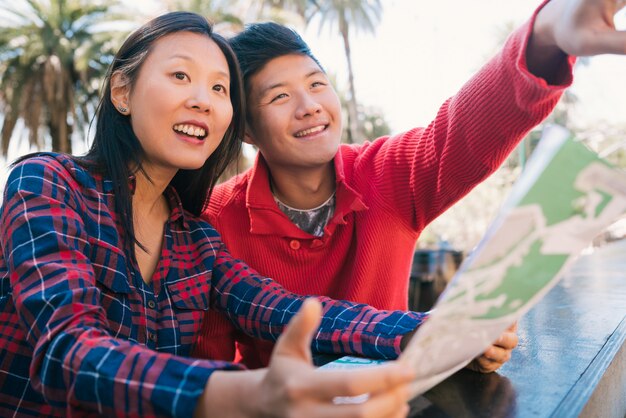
x: 294, y: 113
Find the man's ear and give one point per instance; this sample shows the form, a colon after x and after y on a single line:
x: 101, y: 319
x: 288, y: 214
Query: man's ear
x: 248, y: 138
x: 120, y: 92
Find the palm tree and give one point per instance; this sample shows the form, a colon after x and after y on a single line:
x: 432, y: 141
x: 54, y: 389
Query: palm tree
x: 347, y: 14
x: 281, y: 11
x: 225, y: 13
x: 53, y: 55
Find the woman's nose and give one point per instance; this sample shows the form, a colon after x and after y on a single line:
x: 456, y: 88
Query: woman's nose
x: 200, y: 100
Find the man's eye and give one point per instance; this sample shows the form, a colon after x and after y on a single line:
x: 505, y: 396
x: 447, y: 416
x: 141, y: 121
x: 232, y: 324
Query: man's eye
x: 318, y: 84
x: 278, y: 97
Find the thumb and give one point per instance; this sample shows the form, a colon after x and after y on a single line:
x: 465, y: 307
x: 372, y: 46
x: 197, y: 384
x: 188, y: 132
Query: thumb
x: 296, y: 338
x: 606, y: 42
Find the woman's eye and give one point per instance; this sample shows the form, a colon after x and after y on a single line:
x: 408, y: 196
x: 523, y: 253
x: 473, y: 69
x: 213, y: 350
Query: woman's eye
x: 180, y: 76
x: 219, y: 88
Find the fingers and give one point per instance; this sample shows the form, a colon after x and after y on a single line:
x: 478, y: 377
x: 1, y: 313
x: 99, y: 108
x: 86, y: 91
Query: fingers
x: 592, y: 41
x: 295, y: 341
x: 292, y: 385
x: 389, y: 403
x: 609, y: 42
x: 493, y: 358
x: 500, y: 350
x: 582, y: 28
x: 498, y: 353
x: 508, y: 340
x: 386, y: 388
x: 483, y: 364
x: 329, y: 384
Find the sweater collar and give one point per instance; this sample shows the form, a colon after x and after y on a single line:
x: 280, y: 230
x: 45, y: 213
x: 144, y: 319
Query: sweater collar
x: 267, y: 219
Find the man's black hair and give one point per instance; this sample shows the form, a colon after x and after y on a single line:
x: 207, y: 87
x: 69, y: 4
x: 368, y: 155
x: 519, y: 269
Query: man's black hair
x: 260, y: 43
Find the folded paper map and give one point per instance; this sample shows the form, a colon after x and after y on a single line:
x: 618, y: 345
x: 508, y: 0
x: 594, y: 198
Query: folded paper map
x: 564, y: 198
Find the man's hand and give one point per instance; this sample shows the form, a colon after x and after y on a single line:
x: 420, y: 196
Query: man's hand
x: 583, y: 27
x: 573, y: 27
x: 498, y: 354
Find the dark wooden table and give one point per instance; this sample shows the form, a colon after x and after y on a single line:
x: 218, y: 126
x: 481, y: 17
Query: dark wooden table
x: 571, y: 360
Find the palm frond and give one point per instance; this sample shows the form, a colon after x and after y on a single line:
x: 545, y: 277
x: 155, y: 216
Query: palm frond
x: 53, y: 54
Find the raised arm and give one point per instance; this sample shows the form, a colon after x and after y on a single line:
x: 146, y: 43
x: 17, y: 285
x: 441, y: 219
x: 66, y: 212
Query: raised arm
x: 420, y: 173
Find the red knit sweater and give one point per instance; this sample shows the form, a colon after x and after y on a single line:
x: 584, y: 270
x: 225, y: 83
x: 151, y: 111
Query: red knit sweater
x: 387, y: 191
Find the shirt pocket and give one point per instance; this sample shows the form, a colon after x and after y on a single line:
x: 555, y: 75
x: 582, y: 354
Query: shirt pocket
x: 109, y: 266
x: 190, y: 302
x: 191, y: 293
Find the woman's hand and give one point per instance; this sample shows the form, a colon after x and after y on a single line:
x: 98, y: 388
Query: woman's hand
x: 292, y: 387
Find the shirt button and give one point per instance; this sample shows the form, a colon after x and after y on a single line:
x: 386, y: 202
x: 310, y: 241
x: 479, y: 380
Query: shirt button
x: 152, y: 336
x: 316, y: 243
x: 294, y: 244
x: 151, y: 304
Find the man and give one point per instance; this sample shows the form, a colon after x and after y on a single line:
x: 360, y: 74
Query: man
x: 342, y: 220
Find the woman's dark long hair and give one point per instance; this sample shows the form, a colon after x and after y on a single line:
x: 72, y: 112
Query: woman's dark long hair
x: 117, y: 151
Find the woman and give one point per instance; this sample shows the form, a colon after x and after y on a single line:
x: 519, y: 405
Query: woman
x: 106, y: 269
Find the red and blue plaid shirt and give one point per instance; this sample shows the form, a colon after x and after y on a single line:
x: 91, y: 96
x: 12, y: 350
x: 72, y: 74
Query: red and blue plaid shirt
x: 82, y: 333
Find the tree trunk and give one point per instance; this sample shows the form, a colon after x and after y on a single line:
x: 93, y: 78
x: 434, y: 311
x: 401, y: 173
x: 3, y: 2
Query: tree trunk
x: 7, y: 129
x: 59, y: 129
x: 354, y: 131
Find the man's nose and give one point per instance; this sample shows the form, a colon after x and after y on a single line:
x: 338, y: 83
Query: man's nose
x: 308, y: 106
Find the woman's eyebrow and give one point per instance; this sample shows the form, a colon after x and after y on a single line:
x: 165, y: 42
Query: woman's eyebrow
x: 190, y: 58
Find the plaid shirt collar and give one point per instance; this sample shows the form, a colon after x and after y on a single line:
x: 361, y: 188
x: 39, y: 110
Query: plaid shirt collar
x: 179, y: 214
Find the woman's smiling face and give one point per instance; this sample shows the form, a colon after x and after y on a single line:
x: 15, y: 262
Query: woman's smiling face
x: 179, y: 105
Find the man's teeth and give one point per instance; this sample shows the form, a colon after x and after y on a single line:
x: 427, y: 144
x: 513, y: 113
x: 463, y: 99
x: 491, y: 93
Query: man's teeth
x: 310, y: 131
x: 190, y: 130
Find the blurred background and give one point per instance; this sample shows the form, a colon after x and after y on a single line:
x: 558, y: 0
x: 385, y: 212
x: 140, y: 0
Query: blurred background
x: 393, y: 63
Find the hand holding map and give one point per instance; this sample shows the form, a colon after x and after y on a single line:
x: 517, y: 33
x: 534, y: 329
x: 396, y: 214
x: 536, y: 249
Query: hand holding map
x: 565, y: 197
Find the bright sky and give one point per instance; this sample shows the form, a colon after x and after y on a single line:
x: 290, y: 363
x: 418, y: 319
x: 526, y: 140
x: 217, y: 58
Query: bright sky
x: 423, y: 52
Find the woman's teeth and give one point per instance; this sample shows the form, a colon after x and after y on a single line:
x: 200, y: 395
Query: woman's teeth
x: 190, y: 130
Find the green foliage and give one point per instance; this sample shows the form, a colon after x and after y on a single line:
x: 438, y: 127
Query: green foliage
x: 371, y: 118
x: 53, y: 56
x: 344, y: 14
x: 373, y: 122
x: 223, y: 13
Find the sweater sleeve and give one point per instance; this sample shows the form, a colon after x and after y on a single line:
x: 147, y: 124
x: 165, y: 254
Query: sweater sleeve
x: 420, y: 173
x: 262, y: 308
x: 76, y: 364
